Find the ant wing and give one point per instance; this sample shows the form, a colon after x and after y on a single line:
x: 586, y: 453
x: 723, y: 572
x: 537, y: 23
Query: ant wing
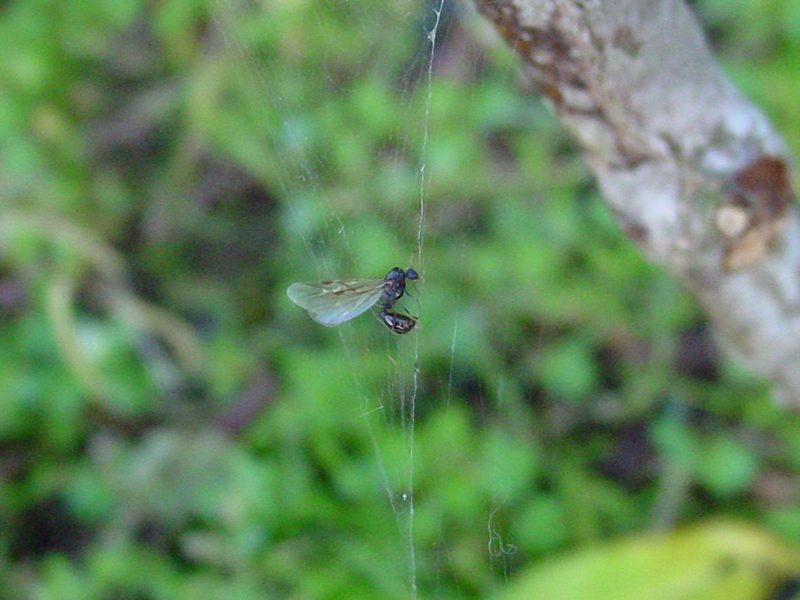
x: 333, y: 302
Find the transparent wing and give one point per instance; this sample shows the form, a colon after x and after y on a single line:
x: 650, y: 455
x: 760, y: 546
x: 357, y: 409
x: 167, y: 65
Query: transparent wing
x: 333, y: 302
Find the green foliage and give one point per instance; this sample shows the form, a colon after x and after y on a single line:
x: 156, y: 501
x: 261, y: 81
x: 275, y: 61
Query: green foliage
x: 171, y: 426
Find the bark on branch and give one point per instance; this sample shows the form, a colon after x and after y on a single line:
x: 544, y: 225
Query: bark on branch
x: 695, y: 174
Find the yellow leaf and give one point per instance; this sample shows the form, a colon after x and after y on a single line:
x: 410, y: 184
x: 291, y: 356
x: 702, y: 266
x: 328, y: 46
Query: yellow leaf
x: 715, y: 560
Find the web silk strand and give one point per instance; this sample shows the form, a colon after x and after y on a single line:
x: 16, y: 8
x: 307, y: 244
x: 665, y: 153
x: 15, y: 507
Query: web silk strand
x: 425, y: 127
x: 420, y: 246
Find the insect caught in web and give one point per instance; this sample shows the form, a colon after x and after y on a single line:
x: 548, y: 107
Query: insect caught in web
x: 334, y: 302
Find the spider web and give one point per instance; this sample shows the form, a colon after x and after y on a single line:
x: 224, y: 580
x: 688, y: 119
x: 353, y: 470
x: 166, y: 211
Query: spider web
x: 327, y: 223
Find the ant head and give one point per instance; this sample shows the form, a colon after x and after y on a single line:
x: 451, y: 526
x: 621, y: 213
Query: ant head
x: 411, y: 274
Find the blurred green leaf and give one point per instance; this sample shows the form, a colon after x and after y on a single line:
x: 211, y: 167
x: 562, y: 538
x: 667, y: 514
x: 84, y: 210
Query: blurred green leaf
x: 726, y: 466
x: 714, y: 560
x: 567, y: 369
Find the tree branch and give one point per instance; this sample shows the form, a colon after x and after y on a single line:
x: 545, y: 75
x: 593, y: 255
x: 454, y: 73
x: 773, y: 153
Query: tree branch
x: 694, y: 173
